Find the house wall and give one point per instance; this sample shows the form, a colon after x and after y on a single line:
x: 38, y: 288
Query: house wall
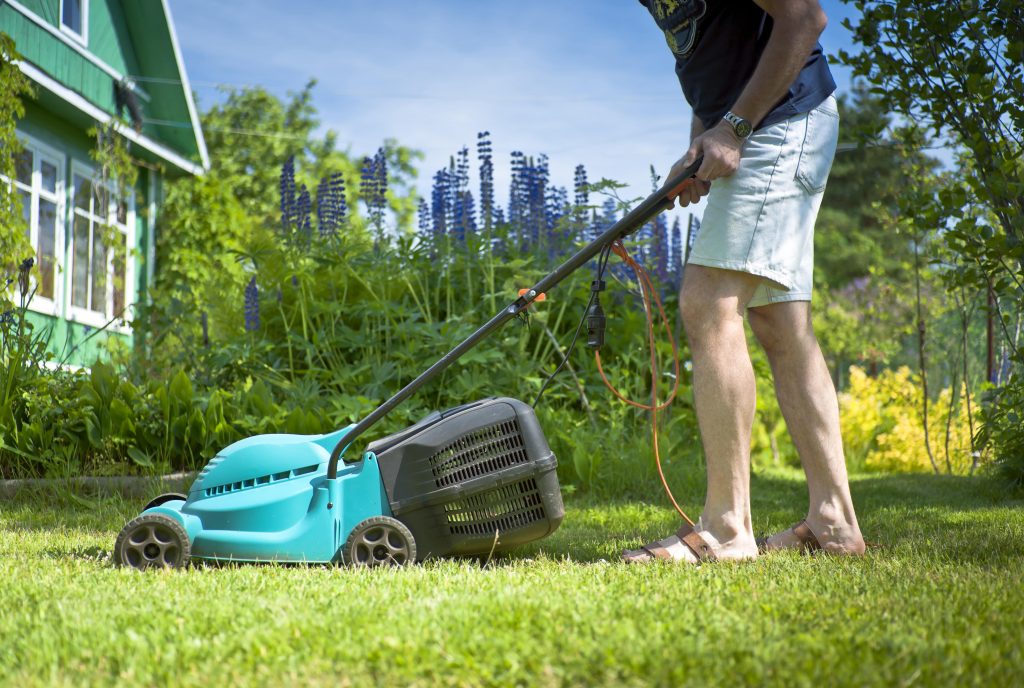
x: 69, y: 337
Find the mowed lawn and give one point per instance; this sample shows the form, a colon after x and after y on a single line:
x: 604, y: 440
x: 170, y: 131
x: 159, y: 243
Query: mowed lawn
x: 940, y: 602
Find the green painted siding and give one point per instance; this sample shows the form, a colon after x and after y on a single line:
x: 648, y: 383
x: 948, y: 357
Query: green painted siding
x: 133, y: 39
x: 109, y: 39
x: 58, y: 59
x: 47, y: 9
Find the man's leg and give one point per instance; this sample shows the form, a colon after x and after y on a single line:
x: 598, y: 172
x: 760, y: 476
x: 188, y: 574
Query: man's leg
x: 809, y: 405
x: 712, y: 304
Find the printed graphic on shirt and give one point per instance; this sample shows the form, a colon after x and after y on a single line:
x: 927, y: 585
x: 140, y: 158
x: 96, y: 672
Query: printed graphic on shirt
x: 680, y: 20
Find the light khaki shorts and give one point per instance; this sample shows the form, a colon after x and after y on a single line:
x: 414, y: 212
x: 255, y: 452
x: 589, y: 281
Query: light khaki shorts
x: 761, y: 219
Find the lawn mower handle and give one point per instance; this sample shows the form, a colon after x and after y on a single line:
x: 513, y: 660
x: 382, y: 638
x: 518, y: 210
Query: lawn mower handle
x: 649, y: 208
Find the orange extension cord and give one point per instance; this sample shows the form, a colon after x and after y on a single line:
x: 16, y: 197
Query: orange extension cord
x: 647, y: 290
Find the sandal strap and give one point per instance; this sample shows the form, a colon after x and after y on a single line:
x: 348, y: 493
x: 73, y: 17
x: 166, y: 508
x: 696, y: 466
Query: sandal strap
x: 808, y: 542
x: 698, y: 545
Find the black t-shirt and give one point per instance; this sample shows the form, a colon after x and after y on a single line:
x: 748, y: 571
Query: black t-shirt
x: 717, y: 45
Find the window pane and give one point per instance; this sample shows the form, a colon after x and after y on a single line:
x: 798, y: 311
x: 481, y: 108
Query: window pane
x: 119, y: 274
x: 23, y: 167
x: 101, y: 202
x: 72, y: 17
x: 83, y: 191
x: 122, y: 213
x: 46, y: 253
x: 80, y: 273
x: 48, y: 173
x: 26, y: 212
x: 98, y: 273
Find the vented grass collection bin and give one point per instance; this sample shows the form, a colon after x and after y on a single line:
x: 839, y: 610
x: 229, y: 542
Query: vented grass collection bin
x: 472, y: 479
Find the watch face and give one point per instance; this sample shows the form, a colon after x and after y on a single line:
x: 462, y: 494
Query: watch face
x: 743, y: 129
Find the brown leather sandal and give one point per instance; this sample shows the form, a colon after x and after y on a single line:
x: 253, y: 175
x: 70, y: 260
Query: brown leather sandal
x: 653, y: 551
x: 808, y: 542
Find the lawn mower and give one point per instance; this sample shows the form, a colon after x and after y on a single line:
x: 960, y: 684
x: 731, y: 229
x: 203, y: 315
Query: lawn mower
x: 473, y: 480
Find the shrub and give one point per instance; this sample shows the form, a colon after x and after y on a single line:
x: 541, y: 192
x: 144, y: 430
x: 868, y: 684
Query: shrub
x: 882, y: 424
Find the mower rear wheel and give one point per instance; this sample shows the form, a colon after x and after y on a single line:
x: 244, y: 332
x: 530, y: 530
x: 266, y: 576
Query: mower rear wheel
x: 380, y: 541
x: 164, y: 498
x: 153, y: 541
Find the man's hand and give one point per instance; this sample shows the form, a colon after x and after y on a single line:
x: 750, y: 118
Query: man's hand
x: 721, y: 150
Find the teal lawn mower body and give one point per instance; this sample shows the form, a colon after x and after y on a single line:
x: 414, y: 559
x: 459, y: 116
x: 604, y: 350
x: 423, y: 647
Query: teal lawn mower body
x: 267, y: 498
x: 472, y: 480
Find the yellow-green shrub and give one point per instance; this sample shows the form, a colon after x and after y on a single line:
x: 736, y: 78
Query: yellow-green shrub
x: 882, y: 424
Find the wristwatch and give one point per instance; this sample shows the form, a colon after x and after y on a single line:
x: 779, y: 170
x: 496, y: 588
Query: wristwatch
x: 741, y: 127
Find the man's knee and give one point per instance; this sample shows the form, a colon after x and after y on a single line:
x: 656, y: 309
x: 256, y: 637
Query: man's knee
x: 712, y: 300
x: 782, y: 327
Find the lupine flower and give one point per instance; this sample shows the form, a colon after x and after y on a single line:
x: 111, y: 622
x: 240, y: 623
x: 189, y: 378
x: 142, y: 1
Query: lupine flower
x: 439, y: 203
x: 7, y: 317
x: 676, y: 245
x: 423, y: 220
x: 483, y: 154
x: 288, y: 194
x: 252, y: 306
x: 580, y: 186
x: 325, y: 222
x: 660, y: 248
x: 303, y: 213
x: 330, y: 199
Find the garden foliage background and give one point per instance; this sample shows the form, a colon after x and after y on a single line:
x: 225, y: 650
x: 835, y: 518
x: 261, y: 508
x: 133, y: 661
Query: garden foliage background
x: 299, y: 285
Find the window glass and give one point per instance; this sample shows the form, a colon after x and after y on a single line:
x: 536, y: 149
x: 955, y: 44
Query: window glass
x: 23, y: 166
x: 46, y: 254
x: 98, y: 272
x: 122, y: 213
x: 26, y: 211
x: 83, y: 192
x: 72, y: 17
x: 48, y: 172
x: 80, y: 273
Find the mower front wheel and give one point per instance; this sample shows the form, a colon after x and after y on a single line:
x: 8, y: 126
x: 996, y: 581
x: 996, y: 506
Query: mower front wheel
x: 153, y: 541
x: 380, y: 541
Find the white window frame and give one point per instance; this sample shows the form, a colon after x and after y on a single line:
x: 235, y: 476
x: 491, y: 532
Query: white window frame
x: 88, y: 316
x: 40, y: 152
x: 83, y: 37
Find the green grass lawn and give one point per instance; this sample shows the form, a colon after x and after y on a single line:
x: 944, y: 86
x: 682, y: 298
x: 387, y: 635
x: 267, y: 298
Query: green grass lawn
x: 940, y: 603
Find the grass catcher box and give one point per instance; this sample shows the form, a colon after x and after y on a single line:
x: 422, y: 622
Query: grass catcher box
x: 461, y: 478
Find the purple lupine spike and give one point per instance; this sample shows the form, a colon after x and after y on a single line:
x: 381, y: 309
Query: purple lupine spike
x: 303, y: 213
x: 326, y: 217
x: 423, y: 220
x: 287, y: 186
x: 661, y: 247
x: 580, y: 186
x: 252, y: 306
x: 367, y: 182
x: 337, y: 191
x: 483, y: 154
x: 676, y: 245
x: 439, y: 200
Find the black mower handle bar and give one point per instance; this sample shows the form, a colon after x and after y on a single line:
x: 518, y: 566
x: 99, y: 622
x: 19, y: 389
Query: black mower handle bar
x: 649, y: 208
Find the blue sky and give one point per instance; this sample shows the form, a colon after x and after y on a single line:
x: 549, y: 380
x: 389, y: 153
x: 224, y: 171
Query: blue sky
x: 585, y: 82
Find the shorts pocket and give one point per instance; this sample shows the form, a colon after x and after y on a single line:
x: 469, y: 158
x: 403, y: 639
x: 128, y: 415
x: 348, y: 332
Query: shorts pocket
x: 821, y: 137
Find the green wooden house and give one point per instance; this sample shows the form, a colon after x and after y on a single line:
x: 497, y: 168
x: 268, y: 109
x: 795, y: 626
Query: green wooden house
x: 92, y: 62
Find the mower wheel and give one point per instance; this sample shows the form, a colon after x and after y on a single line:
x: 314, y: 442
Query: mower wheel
x: 164, y: 498
x: 380, y: 541
x: 153, y: 541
